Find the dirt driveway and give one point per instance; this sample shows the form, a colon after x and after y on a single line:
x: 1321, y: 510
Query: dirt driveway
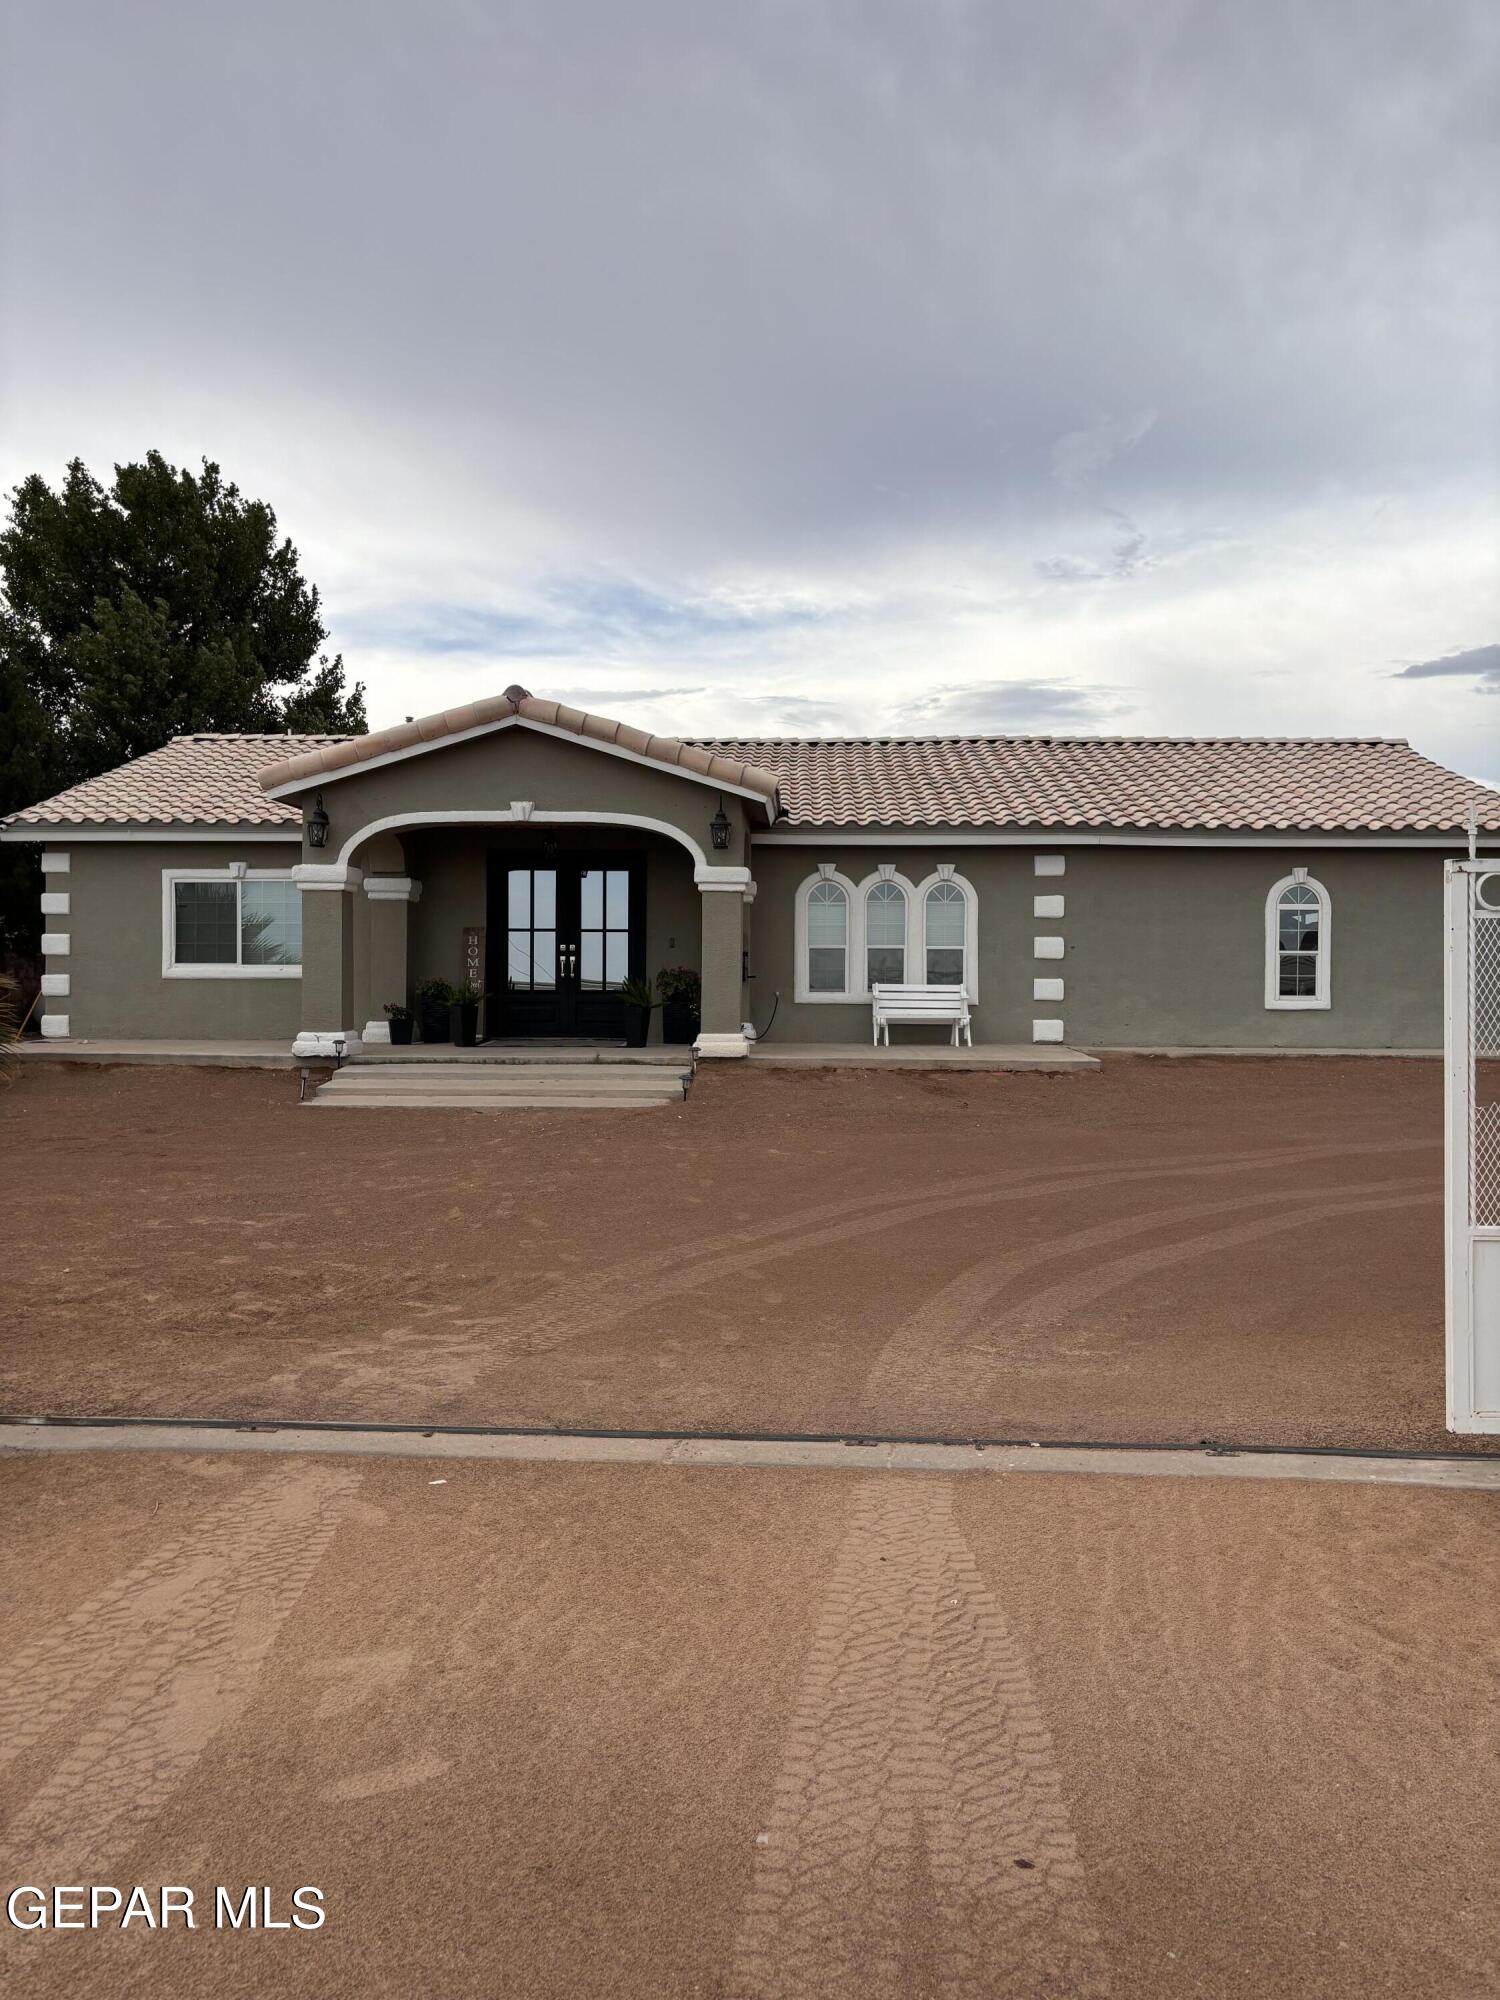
x: 1245, y: 1250
x: 575, y: 1731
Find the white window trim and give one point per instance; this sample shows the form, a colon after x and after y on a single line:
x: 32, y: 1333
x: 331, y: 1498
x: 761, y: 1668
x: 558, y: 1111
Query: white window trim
x: 946, y: 873
x: 235, y: 872
x: 862, y: 970
x: 1323, y: 996
x: 854, y: 943
x: 856, y: 988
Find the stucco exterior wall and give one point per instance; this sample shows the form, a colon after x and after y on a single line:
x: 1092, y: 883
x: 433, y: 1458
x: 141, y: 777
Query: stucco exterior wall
x: 487, y: 773
x: 114, y: 960
x: 1162, y: 947
x: 1167, y: 948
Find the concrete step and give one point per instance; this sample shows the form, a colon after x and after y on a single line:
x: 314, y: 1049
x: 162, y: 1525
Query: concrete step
x: 523, y: 1100
x: 486, y: 1087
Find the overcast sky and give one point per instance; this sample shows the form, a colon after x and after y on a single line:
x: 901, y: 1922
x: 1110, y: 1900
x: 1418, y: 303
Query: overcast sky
x: 1041, y: 365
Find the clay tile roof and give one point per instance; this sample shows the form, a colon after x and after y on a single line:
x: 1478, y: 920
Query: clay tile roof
x: 1237, y: 783
x: 193, y: 781
x: 1234, y: 784
x: 305, y: 767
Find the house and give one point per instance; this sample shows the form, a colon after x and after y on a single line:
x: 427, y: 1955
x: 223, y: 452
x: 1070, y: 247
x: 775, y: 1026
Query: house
x: 1113, y: 892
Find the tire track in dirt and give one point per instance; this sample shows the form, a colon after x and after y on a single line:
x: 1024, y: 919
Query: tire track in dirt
x: 918, y: 1839
x: 164, y: 1658
x: 535, y: 1326
x: 951, y: 1319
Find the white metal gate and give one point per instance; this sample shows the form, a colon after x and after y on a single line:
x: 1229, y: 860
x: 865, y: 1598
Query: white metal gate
x: 1471, y: 1059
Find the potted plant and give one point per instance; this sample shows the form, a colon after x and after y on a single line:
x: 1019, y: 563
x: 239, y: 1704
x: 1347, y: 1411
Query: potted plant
x: 463, y: 1015
x: 681, y: 1010
x: 434, y: 997
x: 639, y: 996
x: 400, y: 1020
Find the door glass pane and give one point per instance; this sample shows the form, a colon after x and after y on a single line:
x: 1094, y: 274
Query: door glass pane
x: 207, y: 923
x: 591, y: 899
x: 616, y: 957
x: 617, y: 903
x: 591, y: 959
x: 270, y: 923
x: 544, y: 898
x: 543, y: 958
x: 518, y: 958
x: 519, y: 891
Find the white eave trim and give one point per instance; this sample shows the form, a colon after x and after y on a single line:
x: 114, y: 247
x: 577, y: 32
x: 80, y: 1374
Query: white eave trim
x: 323, y: 778
x: 231, y: 832
x: 1051, y: 836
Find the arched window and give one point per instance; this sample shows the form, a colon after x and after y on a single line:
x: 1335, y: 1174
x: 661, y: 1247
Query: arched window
x: 885, y: 934
x: 827, y: 938
x: 1299, y: 917
x: 946, y: 935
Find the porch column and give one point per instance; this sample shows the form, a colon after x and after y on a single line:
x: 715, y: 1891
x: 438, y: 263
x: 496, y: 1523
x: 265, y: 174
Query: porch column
x: 722, y: 893
x: 388, y: 898
x: 327, y: 958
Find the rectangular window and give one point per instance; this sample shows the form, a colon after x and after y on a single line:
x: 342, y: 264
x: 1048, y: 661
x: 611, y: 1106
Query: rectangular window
x: 228, y: 926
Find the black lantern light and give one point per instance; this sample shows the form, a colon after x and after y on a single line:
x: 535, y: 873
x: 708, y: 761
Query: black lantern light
x: 317, y: 824
x: 718, y: 827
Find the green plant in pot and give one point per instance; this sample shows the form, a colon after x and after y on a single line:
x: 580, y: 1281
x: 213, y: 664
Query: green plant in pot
x: 463, y: 1015
x: 681, y: 992
x: 399, y: 1017
x: 434, y: 998
x: 639, y: 996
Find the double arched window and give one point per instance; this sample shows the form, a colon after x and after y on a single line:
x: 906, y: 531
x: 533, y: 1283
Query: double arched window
x: 1299, y: 922
x: 885, y: 930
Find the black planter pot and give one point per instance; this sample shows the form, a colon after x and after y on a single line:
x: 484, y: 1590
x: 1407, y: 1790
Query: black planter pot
x: 401, y: 1033
x: 434, y: 1017
x: 679, y: 1022
x: 463, y: 1018
x: 637, y: 1026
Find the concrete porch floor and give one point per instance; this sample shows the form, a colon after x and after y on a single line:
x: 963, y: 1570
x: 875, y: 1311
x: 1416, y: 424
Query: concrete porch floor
x: 781, y: 1055
x: 921, y: 1055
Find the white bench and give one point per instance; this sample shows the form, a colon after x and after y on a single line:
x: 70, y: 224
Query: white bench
x: 921, y: 1004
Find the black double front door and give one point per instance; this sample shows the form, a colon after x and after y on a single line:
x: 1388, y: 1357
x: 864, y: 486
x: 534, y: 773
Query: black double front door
x: 564, y: 934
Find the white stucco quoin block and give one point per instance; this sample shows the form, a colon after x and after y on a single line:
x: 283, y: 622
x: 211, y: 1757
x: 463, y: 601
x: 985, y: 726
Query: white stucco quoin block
x: 1047, y: 947
x: 1046, y: 1031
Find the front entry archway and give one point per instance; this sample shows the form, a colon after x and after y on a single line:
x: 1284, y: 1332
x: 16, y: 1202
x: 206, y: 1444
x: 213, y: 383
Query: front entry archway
x: 563, y: 934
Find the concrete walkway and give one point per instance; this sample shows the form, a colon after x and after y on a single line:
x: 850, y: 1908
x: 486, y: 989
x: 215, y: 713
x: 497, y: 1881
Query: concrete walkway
x: 921, y: 1055
x: 198, y: 1055
x: 1456, y: 1473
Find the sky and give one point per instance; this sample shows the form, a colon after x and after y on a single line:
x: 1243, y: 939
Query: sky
x: 803, y: 366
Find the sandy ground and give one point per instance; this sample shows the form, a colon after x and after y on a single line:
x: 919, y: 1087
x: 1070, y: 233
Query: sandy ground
x: 573, y: 1731
x: 1245, y: 1250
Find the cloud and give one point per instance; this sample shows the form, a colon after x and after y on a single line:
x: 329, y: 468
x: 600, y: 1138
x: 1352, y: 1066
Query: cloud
x: 1079, y: 459
x: 1481, y: 663
x: 1001, y: 365
x: 1020, y: 707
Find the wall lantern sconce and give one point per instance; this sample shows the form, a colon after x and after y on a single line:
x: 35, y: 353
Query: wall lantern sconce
x: 718, y: 827
x: 317, y: 824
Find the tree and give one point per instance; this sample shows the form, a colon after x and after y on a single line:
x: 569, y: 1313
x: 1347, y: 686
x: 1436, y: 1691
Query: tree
x: 161, y: 606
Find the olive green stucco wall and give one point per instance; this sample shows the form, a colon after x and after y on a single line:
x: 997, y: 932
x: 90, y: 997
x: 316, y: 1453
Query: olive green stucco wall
x: 1163, y: 947
x: 114, y: 928
x: 487, y: 773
